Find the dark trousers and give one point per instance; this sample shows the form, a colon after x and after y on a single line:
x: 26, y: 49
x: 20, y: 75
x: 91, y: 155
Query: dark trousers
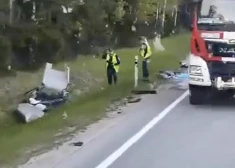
x: 145, y: 69
x: 111, y: 75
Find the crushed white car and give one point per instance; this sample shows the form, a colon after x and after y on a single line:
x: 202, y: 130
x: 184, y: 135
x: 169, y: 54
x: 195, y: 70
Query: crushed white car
x: 50, y: 94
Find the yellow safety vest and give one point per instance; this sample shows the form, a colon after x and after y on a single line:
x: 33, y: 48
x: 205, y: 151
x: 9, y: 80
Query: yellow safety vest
x: 146, y: 53
x: 114, y: 61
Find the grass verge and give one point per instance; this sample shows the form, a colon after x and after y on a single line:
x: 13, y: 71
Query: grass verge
x: 15, y: 138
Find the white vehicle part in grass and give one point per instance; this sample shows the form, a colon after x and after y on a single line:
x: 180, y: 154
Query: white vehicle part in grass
x: 33, y: 101
x: 198, y: 71
x: 54, y: 79
x: 41, y: 107
x: 29, y: 112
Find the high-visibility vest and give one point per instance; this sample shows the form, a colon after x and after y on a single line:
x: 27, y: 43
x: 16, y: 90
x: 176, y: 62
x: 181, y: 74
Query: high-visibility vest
x: 145, y: 53
x: 114, y: 60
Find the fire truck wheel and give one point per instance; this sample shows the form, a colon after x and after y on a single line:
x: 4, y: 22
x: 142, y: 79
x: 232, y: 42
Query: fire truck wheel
x: 198, y: 95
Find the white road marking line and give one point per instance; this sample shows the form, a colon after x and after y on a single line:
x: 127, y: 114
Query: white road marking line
x: 115, y: 155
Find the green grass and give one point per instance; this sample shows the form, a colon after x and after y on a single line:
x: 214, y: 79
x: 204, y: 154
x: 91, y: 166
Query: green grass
x: 15, y: 138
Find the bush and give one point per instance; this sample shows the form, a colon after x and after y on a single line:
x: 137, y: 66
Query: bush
x: 49, y: 45
x: 5, y: 53
x: 33, y: 46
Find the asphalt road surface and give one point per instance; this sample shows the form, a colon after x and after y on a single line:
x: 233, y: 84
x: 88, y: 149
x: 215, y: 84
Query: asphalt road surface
x: 161, y: 131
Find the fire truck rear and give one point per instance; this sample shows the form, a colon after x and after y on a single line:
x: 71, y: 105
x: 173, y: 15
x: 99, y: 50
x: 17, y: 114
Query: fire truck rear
x: 212, y: 57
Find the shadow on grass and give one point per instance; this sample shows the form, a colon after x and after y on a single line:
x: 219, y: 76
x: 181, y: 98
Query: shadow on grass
x: 17, y: 118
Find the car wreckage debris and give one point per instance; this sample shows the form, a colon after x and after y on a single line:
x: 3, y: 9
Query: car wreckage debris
x: 181, y: 74
x: 134, y: 100
x: 138, y: 92
x: 52, y: 93
x: 77, y: 143
x: 178, y: 78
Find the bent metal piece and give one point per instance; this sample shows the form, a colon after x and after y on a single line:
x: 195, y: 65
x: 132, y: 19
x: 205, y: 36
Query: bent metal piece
x: 55, y: 79
x: 29, y: 112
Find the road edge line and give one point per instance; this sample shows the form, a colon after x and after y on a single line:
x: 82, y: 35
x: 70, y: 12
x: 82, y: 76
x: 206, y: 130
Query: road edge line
x: 116, y: 154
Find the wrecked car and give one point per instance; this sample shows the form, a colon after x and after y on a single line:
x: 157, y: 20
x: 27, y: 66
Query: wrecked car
x: 52, y: 93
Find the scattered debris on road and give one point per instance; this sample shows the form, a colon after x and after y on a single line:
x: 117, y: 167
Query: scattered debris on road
x: 137, y: 92
x: 78, y: 143
x: 134, y: 100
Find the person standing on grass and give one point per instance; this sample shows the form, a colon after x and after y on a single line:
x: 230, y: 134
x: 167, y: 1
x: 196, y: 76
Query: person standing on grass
x: 145, y: 52
x: 112, y: 66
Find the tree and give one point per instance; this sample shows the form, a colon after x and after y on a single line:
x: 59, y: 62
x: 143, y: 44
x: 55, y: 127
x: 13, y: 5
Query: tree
x: 45, y: 30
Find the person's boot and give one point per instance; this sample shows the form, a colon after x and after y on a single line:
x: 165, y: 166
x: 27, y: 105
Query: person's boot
x: 146, y: 79
x: 115, y: 82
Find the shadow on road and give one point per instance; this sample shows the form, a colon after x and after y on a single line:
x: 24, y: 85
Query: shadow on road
x: 220, y: 102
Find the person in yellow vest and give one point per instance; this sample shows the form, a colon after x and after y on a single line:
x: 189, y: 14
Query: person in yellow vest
x: 112, y: 66
x: 145, y: 52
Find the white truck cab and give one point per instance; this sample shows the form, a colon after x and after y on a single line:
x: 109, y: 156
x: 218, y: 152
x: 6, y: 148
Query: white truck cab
x: 218, y: 74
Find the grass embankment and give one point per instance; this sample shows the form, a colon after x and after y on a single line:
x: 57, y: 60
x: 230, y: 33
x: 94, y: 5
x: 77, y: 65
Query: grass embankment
x: 15, y: 139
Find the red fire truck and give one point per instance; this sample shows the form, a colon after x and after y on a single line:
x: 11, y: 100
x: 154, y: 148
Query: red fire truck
x: 212, y: 56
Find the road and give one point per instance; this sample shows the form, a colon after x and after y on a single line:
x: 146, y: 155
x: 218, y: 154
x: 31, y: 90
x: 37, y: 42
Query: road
x: 162, y: 131
x: 189, y: 137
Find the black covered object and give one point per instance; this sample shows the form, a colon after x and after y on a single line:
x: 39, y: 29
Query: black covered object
x: 51, y: 100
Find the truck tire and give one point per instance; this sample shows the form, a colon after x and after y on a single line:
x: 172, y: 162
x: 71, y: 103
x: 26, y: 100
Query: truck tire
x: 198, y: 94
